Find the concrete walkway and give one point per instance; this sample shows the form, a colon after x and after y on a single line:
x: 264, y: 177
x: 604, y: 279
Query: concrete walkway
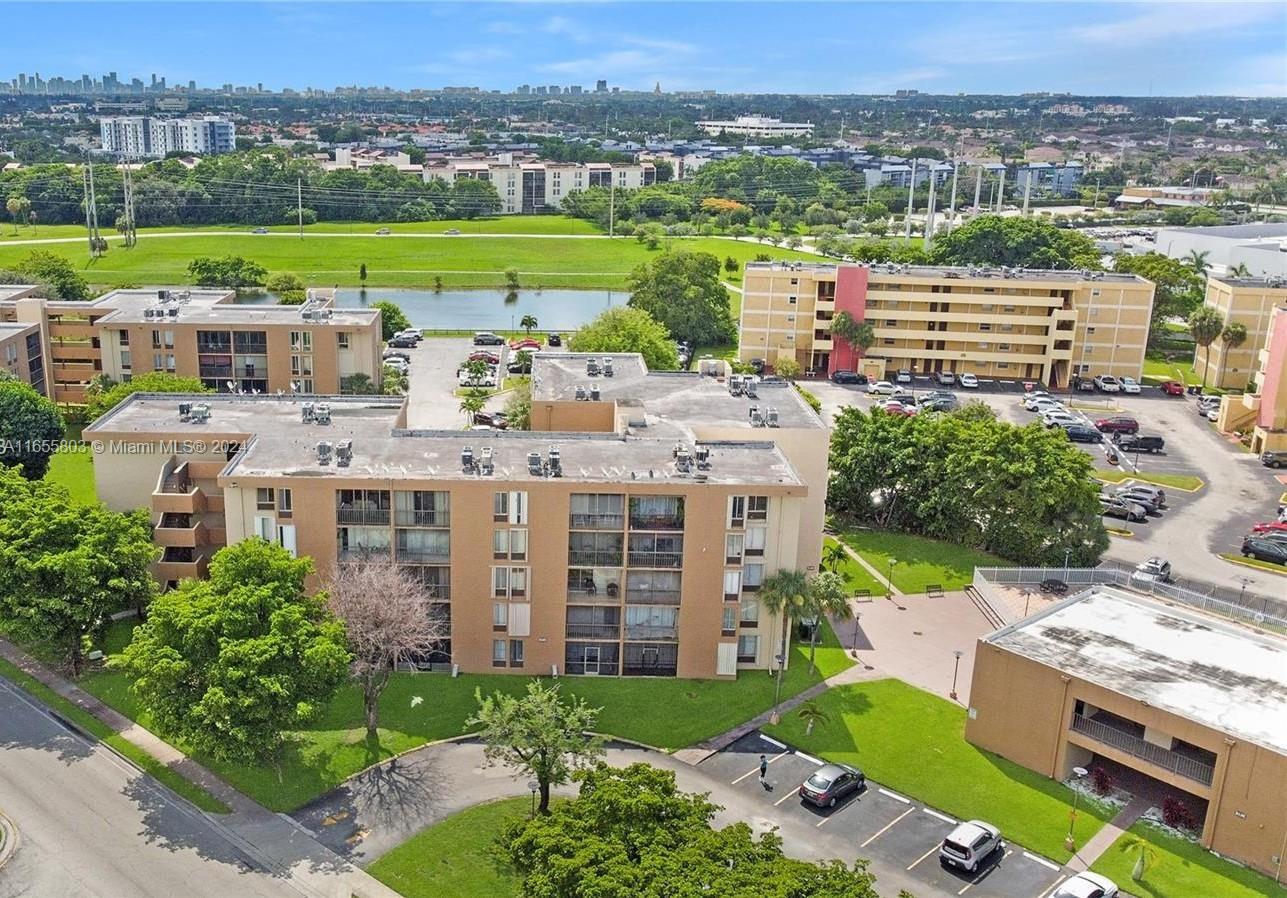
x: 275, y: 841
x: 1109, y: 833
x: 880, y: 578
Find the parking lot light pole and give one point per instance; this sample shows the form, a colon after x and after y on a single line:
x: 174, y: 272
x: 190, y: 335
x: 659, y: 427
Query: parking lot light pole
x: 1079, y: 773
x: 532, y: 786
x: 955, y: 670
x: 1067, y: 556
x: 890, y: 577
x: 857, y: 618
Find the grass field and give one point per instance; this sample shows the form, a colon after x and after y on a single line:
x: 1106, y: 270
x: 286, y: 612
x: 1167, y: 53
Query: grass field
x: 856, y: 576
x: 1183, y: 869
x: 1188, y: 482
x: 456, y: 858
x: 666, y: 713
x: 919, y: 561
x: 392, y: 261
x: 1255, y: 562
x: 74, y: 469
x: 1158, y: 369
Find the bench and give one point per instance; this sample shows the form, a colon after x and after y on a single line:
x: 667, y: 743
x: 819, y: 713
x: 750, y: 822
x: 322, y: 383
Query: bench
x: 934, y: 590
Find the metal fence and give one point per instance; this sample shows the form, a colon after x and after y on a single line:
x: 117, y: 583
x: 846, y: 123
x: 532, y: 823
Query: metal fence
x: 1140, y: 748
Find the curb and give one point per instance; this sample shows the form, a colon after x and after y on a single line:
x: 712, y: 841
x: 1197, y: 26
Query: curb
x: 8, y: 839
x: 1255, y: 567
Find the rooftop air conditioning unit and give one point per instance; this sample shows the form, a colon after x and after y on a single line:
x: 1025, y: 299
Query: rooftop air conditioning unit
x: 185, y: 410
x: 592, y: 367
x: 322, y: 413
x: 323, y: 453
x: 594, y: 392
x: 735, y: 384
x: 555, y: 462
x: 467, y: 458
x: 163, y: 295
x: 772, y: 417
x: 534, y: 463
x: 344, y: 453
x: 200, y: 413
x: 607, y: 367
x: 581, y: 395
x: 750, y: 384
x: 683, y: 458
x: 306, y: 412
x: 703, y: 456
x: 174, y: 311
x: 488, y: 463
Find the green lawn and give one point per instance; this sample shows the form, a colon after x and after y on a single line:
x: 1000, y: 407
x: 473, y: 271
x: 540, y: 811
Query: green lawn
x: 856, y: 576
x: 503, y: 224
x: 455, y: 858
x: 1157, y: 368
x: 912, y: 742
x: 1183, y: 869
x: 1255, y: 562
x: 392, y: 261
x: 74, y: 469
x: 1187, y: 482
x: 666, y: 713
x: 101, y: 731
x: 920, y: 561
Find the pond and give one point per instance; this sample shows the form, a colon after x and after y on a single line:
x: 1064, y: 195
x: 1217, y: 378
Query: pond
x: 557, y: 310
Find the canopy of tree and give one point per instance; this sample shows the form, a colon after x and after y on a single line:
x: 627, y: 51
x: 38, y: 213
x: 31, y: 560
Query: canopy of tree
x: 682, y: 290
x: 625, y: 329
x: 632, y: 832
x: 30, y: 427
x: 392, y: 318
x: 231, y: 664
x: 289, y: 288
x: 103, y: 401
x: 1018, y: 242
x: 65, y: 568
x: 1179, y: 287
x: 227, y: 271
x: 1024, y: 493
x: 64, y: 281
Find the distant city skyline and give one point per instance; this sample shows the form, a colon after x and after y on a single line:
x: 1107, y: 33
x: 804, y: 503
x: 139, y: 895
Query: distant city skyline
x: 1104, y: 48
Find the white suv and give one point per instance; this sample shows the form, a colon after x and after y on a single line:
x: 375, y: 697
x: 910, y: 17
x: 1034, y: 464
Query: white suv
x: 969, y: 845
x: 1108, y: 384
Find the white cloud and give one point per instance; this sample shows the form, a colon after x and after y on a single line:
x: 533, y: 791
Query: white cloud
x: 503, y: 27
x: 1163, y: 21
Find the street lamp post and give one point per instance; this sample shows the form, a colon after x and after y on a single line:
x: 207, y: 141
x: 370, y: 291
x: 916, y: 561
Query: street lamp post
x: 890, y: 576
x: 1067, y: 556
x: 533, y: 786
x: 777, y: 689
x: 1070, y: 843
x: 857, y: 618
x: 955, y: 670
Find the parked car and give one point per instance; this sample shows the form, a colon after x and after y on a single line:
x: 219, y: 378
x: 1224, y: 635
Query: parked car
x: 933, y: 395
x: 1137, y: 442
x: 881, y: 387
x: 397, y: 354
x: 969, y: 845
x: 1059, y: 418
x: 398, y: 341
x: 1155, y: 494
x: 839, y: 377
x: 1148, y: 502
x: 397, y: 365
x: 1264, y: 550
x: 945, y: 378
x: 830, y: 783
x: 491, y: 419
x: 1206, y: 404
x: 1118, y: 424
x: 1275, y: 459
x: 1043, y: 405
x: 260, y: 231
x: 1083, y: 433
x: 1213, y: 414
x: 1031, y: 399
x: 487, y: 338
x: 525, y: 343
x: 1130, y: 385
x: 940, y: 404
x: 969, y: 381
x: 1084, y: 385
x: 411, y: 332
x: 1106, y: 383
x: 1172, y: 388
x: 383, y: 232
x: 903, y: 377
x: 900, y: 395
x: 897, y: 408
x: 1270, y: 527
x: 1115, y: 507
x: 520, y: 364
x: 452, y: 232
x: 1086, y: 885
x: 1274, y: 536
x: 757, y: 365
x: 554, y: 340
x: 483, y: 355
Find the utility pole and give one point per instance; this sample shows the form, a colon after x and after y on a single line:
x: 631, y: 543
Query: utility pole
x: 951, y: 206
x: 978, y: 188
x: 612, y: 201
x: 299, y: 204
x: 1000, y: 191
x: 911, y: 195
x: 929, y: 211
x: 89, y: 227
x: 127, y: 184
x: 1095, y: 205
x: 91, y: 213
x: 1027, y: 192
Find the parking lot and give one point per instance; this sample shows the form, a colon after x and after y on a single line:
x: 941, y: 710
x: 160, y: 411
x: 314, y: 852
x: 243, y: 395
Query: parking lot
x: 898, y: 834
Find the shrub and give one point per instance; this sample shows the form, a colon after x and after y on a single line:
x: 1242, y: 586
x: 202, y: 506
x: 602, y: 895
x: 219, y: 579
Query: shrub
x: 1176, y: 814
x: 1101, y: 780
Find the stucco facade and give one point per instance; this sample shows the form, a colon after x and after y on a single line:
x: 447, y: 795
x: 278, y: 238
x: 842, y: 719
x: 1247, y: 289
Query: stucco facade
x: 1250, y: 302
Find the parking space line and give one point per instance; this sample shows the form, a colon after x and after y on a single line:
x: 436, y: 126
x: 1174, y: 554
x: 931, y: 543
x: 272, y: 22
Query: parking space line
x: 793, y: 794
x: 1054, y: 885
x: 810, y: 758
x: 1041, y: 860
x: 943, y: 817
x: 772, y: 741
x: 886, y: 827
x: 982, y: 873
x: 756, y: 769
x: 895, y: 796
x: 922, y: 857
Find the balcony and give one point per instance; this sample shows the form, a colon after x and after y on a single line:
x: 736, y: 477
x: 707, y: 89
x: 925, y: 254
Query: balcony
x: 423, y: 519
x: 361, y: 553
x: 651, y: 634
x: 352, y: 515
x: 179, y: 563
x: 596, y: 521
x: 1137, y: 747
x: 656, y: 559
x: 594, y: 631
x: 179, y: 530
x: 657, y: 521
x: 423, y: 556
x: 594, y: 558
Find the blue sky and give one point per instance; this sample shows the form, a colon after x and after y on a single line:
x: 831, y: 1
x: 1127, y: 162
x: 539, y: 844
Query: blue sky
x: 974, y: 47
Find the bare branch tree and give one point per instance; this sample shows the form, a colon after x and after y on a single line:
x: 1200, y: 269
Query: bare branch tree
x: 388, y: 618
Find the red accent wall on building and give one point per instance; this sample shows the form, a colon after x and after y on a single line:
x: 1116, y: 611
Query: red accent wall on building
x: 1273, y: 384
x: 851, y: 297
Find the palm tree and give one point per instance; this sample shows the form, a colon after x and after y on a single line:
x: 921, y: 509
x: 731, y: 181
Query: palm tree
x: 471, y: 403
x: 1205, y: 325
x: 785, y: 594
x: 835, y: 556
x: 1240, y: 271
x: 1145, y: 854
x: 826, y: 598
x: 527, y: 322
x: 1197, y: 260
x: 811, y: 714
x: 1233, y: 335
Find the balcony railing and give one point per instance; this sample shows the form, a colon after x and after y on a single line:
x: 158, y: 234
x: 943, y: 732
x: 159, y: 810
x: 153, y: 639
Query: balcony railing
x: 656, y: 522
x: 1133, y: 745
x: 408, y: 555
x: 657, y: 559
x: 594, y: 631
x: 362, y: 553
x: 362, y: 515
x: 594, y: 558
x: 596, y: 521
x: 645, y: 669
x: 424, y: 518
x: 649, y: 596
x: 651, y: 634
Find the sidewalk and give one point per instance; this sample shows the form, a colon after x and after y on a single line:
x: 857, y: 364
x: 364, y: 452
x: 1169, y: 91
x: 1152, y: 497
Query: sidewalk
x: 275, y: 841
x: 1101, y: 841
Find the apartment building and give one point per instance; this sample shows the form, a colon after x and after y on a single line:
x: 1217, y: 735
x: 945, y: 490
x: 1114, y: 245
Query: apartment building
x: 1263, y: 409
x: 627, y: 534
x: 1061, y: 178
x: 1195, y: 704
x: 1046, y: 326
x: 142, y: 136
x: 535, y: 186
x: 22, y: 353
x: 1251, y: 302
x: 201, y: 333
x: 756, y: 126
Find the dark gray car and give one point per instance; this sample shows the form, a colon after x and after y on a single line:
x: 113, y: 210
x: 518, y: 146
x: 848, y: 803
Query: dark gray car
x: 831, y: 783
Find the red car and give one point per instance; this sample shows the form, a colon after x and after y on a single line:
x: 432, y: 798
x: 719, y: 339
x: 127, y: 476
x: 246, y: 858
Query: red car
x: 482, y: 355
x: 525, y: 344
x: 1270, y: 527
x: 1173, y: 388
x: 1119, y: 424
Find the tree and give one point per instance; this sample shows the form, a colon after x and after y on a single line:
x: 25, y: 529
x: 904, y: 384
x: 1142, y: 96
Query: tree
x: 227, y: 271
x: 511, y: 278
x: 731, y: 265
x: 682, y: 290
x: 626, y: 329
x: 811, y: 713
x: 1233, y: 335
x: 358, y: 384
x: 826, y: 598
x: 66, y: 567
x: 518, y: 407
x: 1197, y: 260
x: 650, y: 235
x: 785, y: 593
x: 54, y: 270
x: 1021, y: 242
x: 1144, y: 851
x: 290, y: 288
x: 1178, y: 290
x: 632, y: 832
x: 858, y: 334
x: 30, y: 428
x: 835, y: 557
x: 362, y: 274
x: 1239, y: 271
x: 18, y: 207
x: 471, y: 403
x: 787, y: 367
x: 392, y: 319
x: 231, y: 664
x: 388, y: 621
x: 539, y: 734
x: 527, y: 322
x: 1205, y: 325
x: 148, y: 382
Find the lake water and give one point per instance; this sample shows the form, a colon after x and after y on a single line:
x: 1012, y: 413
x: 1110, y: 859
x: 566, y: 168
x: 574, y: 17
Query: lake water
x: 557, y: 310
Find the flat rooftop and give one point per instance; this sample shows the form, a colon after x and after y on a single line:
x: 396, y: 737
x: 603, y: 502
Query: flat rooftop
x: 1223, y: 676
x: 12, y: 328
x: 157, y: 415
x: 15, y: 291
x: 214, y: 306
x: 1261, y: 231
x: 963, y: 272
x: 666, y: 403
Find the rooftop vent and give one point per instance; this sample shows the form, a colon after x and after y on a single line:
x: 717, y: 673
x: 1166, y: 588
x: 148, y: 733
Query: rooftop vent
x: 344, y: 453
x: 754, y: 416
x: 534, y: 463
x: 683, y: 458
x: 306, y: 412
x: 556, y: 462
x: 750, y: 384
x: 607, y: 367
x: 581, y: 395
x: 163, y: 295
x: 488, y: 463
x: 771, y: 417
x: 323, y: 452
x: 173, y: 311
x: 467, y: 458
x: 703, y: 456
x: 592, y: 367
x: 322, y: 413
x: 200, y: 413
x: 185, y: 410
x: 594, y: 392
x: 735, y: 384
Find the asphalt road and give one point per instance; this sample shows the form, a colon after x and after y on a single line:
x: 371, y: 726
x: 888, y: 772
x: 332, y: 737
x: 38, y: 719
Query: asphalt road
x: 91, y: 826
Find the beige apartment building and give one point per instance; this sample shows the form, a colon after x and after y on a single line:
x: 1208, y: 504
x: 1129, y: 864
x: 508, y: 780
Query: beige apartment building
x: 1250, y: 301
x: 200, y: 333
x: 627, y: 534
x: 534, y: 186
x: 1195, y: 704
x: 1019, y: 324
x: 1262, y: 410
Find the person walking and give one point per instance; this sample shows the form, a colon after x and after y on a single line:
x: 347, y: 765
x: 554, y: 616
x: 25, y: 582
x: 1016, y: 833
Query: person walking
x: 764, y: 774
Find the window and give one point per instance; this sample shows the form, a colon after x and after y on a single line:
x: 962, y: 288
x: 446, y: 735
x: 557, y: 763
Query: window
x: 889, y: 341
x: 423, y: 508
x: 301, y: 341
x: 516, y: 653
x: 1007, y: 308
x: 500, y: 615
x: 500, y: 507
x: 1007, y: 327
x: 732, y: 585
x: 1003, y: 347
x: 597, y: 511
x: 498, y: 652
x: 985, y: 326
x: 729, y: 625
x: 656, y: 513
x: 1090, y: 330
x: 755, y: 539
x: 753, y: 576
x: 750, y: 612
x: 510, y: 506
x: 890, y: 322
x: 509, y: 544
x: 124, y: 337
x: 736, y: 511
x: 791, y: 300
x: 424, y: 546
x: 284, y: 503
x: 748, y: 649
x: 509, y: 582
x: 342, y: 339
x: 758, y: 508
x: 264, y: 498
x: 125, y: 358
x: 733, y: 545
